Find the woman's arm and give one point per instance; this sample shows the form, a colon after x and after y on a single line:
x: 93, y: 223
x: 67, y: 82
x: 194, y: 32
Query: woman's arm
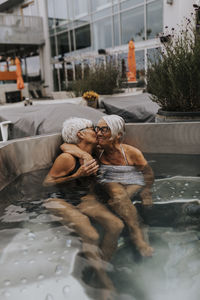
x: 142, y: 165
x: 76, y: 151
x: 63, y: 165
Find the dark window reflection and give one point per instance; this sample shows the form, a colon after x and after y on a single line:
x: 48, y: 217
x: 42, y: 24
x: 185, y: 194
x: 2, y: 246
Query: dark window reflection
x: 83, y: 38
x: 63, y: 43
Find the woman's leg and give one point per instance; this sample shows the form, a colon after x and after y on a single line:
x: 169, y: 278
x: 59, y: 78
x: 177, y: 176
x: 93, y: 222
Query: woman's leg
x: 112, y: 224
x: 80, y: 223
x: 120, y: 202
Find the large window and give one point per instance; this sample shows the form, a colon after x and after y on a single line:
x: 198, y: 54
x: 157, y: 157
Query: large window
x: 116, y: 30
x: 82, y: 36
x: 63, y: 43
x: 103, y: 34
x: 132, y: 24
x: 129, y: 3
x: 99, y: 4
x: 57, y: 10
x: 154, y: 19
x: 80, y: 8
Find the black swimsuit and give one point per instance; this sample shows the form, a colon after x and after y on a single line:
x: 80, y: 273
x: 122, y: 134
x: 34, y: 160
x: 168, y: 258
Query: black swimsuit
x: 71, y: 194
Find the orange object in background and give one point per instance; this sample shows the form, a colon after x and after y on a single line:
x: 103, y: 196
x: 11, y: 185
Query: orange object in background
x: 131, y: 74
x: 20, y: 81
x: 7, y: 75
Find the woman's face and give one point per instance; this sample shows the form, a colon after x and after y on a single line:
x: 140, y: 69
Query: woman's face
x: 103, y: 133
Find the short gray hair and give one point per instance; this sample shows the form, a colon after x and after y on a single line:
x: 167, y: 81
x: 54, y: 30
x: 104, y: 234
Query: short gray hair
x: 71, y: 127
x: 116, y: 124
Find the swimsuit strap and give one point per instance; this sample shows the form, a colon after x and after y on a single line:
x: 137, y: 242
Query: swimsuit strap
x: 124, y: 155
x: 100, y: 155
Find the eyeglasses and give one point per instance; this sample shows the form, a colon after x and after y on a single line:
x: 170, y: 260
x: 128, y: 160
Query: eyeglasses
x: 103, y: 129
x: 91, y: 127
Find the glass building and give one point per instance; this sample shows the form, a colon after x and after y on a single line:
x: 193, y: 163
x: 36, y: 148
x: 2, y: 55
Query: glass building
x: 82, y: 31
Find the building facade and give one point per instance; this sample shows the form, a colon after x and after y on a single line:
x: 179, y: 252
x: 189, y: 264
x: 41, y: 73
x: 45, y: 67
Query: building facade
x: 74, y: 34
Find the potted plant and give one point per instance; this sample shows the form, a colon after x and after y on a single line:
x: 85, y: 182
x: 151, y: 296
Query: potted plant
x: 173, y: 78
x: 92, y: 98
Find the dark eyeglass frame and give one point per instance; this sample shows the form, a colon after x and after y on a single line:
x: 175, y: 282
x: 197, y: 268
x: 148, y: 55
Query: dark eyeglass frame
x: 103, y: 129
x: 91, y: 127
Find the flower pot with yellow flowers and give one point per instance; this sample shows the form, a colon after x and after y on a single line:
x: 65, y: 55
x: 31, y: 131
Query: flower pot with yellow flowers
x: 92, y: 98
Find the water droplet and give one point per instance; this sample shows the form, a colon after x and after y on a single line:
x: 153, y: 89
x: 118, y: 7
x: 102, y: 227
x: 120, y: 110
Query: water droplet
x: 49, y: 297
x: 40, y: 277
x: 31, y: 261
x: 23, y: 290
x: 31, y: 236
x: 16, y: 262
x: 49, y: 258
x: 6, y: 282
x: 25, y: 252
x: 6, y: 294
x: 68, y: 243
x: 23, y: 280
x: 186, y: 184
x: 58, y: 270
x: 53, y: 252
x: 40, y: 251
x: 63, y: 257
x: 66, y: 289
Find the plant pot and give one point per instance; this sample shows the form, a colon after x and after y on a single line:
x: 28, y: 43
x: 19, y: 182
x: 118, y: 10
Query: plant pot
x: 176, y: 116
x: 92, y: 103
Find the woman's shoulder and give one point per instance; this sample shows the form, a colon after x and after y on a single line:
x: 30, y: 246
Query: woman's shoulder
x: 131, y: 149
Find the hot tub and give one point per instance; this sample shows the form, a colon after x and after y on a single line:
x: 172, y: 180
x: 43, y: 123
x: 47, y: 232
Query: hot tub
x: 39, y: 256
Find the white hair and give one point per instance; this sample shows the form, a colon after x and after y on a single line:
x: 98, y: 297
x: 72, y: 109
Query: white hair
x: 71, y: 127
x: 116, y: 124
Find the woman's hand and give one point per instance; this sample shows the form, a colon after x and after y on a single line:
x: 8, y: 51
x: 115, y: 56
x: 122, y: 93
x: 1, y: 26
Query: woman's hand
x: 90, y: 168
x: 146, y: 197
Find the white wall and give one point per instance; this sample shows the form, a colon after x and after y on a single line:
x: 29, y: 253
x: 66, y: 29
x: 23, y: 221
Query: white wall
x: 45, y: 55
x: 173, y: 15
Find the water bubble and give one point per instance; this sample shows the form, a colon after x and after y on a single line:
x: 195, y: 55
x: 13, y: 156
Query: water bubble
x: 58, y: 270
x: 23, y: 290
x: 23, y: 280
x: 49, y: 258
x: 66, y: 289
x: 31, y: 261
x: 6, y: 282
x: 6, y: 294
x: 31, y: 236
x: 40, y: 251
x: 16, y: 262
x: 49, y: 297
x: 68, y: 243
x: 62, y: 257
x: 54, y: 252
x: 186, y: 184
x: 25, y: 252
x: 40, y: 277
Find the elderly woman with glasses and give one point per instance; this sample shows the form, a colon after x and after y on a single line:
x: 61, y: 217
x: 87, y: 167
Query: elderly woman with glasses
x: 123, y: 171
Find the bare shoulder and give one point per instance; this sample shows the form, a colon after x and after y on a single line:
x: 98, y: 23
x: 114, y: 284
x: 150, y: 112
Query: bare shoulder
x: 130, y: 149
x: 65, y: 162
x: 134, y: 155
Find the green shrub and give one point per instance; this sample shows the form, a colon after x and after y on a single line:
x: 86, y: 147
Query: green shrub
x: 101, y: 79
x: 173, y: 79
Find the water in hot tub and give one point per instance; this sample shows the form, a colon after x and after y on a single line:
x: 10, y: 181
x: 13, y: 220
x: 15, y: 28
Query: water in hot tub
x: 39, y: 256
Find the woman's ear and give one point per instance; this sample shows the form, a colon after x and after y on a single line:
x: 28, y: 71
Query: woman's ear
x: 80, y: 135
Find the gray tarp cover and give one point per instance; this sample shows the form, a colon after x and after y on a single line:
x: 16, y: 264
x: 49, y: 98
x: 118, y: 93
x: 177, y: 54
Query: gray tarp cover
x: 137, y: 108
x: 44, y: 119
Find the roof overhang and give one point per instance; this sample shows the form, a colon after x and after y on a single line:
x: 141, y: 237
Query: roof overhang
x: 5, y: 5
